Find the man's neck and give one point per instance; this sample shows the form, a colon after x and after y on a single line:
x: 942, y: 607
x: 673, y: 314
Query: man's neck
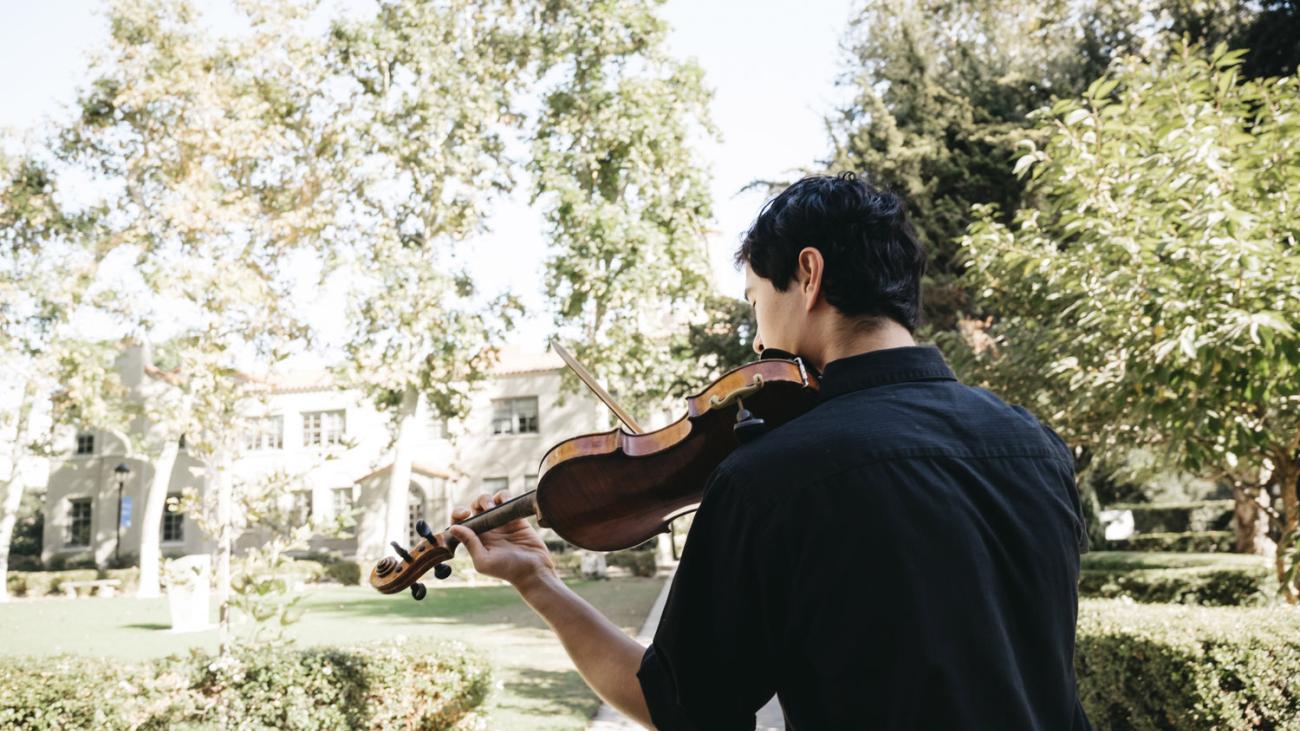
x: 850, y: 341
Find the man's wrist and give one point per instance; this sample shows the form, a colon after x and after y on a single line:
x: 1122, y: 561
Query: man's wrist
x: 535, y: 583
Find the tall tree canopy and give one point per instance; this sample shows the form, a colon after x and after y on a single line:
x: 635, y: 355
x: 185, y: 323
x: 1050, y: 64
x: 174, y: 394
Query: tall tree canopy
x: 625, y: 198
x: 1151, y: 296
x: 942, y: 94
x: 425, y: 97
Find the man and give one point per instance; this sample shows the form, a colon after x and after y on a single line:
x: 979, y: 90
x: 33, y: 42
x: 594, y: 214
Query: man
x: 903, y: 556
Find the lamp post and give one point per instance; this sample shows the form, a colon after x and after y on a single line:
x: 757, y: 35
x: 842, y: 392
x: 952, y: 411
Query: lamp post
x: 122, y: 471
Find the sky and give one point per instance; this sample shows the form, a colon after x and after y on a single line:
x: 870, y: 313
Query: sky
x: 771, y: 66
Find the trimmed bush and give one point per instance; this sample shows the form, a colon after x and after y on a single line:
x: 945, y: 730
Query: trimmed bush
x: 1138, y: 560
x: 50, y: 583
x: 1203, y: 515
x: 1147, y: 667
x: 567, y: 564
x: 261, y: 687
x: 1209, y: 579
x: 347, y: 573
x: 640, y: 563
x: 1210, y: 541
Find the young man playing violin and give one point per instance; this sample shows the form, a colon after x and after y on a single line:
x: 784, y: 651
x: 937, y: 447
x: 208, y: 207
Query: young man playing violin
x: 903, y: 556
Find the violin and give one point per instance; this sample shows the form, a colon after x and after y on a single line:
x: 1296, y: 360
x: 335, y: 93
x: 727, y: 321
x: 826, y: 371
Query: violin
x: 616, y: 489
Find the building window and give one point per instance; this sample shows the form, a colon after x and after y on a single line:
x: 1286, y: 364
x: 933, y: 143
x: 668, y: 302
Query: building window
x: 437, y: 425
x: 414, y: 514
x: 493, y: 485
x: 514, y: 415
x: 342, y: 501
x: 266, y: 433
x: 85, y: 443
x: 79, y: 514
x: 300, y: 512
x: 173, y: 521
x: 322, y: 428
x: 530, y: 482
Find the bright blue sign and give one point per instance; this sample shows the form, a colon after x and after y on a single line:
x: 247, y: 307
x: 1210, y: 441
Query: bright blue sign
x: 126, y: 512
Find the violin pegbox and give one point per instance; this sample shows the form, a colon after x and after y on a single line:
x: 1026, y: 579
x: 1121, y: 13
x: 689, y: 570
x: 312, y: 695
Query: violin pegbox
x: 392, y: 574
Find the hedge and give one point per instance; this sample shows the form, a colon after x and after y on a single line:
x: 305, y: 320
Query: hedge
x: 1210, y: 541
x: 262, y: 687
x: 42, y: 583
x: 1147, y: 666
x: 1203, y: 515
x: 639, y: 563
x: 1208, y: 579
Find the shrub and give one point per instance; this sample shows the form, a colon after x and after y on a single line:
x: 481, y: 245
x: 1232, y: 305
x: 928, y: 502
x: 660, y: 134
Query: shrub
x: 567, y: 564
x: 347, y: 573
x: 18, y: 562
x: 318, y: 567
x: 42, y: 583
x: 1138, y: 560
x: 1209, y: 579
x: 640, y: 563
x: 322, y: 688
x: 1145, y: 666
x: 1211, y: 541
x: 1203, y: 515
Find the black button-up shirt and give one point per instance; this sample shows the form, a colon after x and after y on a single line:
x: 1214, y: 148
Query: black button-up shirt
x: 903, y: 556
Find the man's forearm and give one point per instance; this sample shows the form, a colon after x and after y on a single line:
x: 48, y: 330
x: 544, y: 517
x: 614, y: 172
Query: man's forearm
x: 606, y: 658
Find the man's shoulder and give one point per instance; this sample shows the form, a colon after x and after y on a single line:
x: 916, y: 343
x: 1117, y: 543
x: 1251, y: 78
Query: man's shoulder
x: 912, y: 421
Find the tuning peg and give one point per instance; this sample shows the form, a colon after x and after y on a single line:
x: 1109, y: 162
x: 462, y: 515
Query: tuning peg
x: 442, y: 571
x: 406, y: 556
x: 422, y: 529
x: 418, y: 591
x: 748, y: 427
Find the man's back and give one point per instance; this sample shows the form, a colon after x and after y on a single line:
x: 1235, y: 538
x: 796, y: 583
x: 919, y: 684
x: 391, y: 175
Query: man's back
x: 905, y: 555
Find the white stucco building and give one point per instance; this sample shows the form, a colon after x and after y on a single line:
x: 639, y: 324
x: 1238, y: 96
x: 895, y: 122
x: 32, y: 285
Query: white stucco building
x: 516, y: 416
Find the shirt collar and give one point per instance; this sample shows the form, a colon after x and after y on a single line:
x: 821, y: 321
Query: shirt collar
x: 883, y: 367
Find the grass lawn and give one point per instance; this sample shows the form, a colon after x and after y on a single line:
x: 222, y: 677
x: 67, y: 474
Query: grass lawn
x: 537, y: 687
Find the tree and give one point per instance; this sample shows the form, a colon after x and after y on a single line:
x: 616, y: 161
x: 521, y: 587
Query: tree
x: 625, y: 199
x: 723, y: 340
x: 943, y: 94
x: 1150, y: 297
x: 209, y: 159
x: 426, y: 98
x: 48, y: 260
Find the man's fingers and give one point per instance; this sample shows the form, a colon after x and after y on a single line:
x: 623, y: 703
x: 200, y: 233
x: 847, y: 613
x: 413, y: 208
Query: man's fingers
x: 460, y: 514
x: 501, y: 497
x: 469, y: 539
x: 482, y: 502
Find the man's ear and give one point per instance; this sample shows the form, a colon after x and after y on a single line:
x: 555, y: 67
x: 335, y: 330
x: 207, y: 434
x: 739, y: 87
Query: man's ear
x: 809, y: 269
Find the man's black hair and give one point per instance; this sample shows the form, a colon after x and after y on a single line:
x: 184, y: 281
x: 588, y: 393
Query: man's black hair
x: 874, y: 262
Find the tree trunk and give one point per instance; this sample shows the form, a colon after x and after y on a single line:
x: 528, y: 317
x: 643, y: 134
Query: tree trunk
x: 1250, y: 521
x: 225, y: 541
x: 14, y: 485
x: 1288, y: 475
x: 8, y: 517
x: 151, y: 527
x: 399, y: 478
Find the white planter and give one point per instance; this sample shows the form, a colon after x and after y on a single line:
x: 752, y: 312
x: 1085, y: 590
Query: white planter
x: 188, y: 600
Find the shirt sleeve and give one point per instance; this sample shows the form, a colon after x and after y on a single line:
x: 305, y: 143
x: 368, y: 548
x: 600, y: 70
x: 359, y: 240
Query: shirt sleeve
x: 1085, y: 543
x: 713, y: 661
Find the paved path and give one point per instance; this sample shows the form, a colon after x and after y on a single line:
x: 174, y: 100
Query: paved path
x: 608, y: 719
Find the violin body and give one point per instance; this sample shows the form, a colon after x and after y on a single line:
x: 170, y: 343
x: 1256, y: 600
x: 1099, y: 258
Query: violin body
x: 616, y: 489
